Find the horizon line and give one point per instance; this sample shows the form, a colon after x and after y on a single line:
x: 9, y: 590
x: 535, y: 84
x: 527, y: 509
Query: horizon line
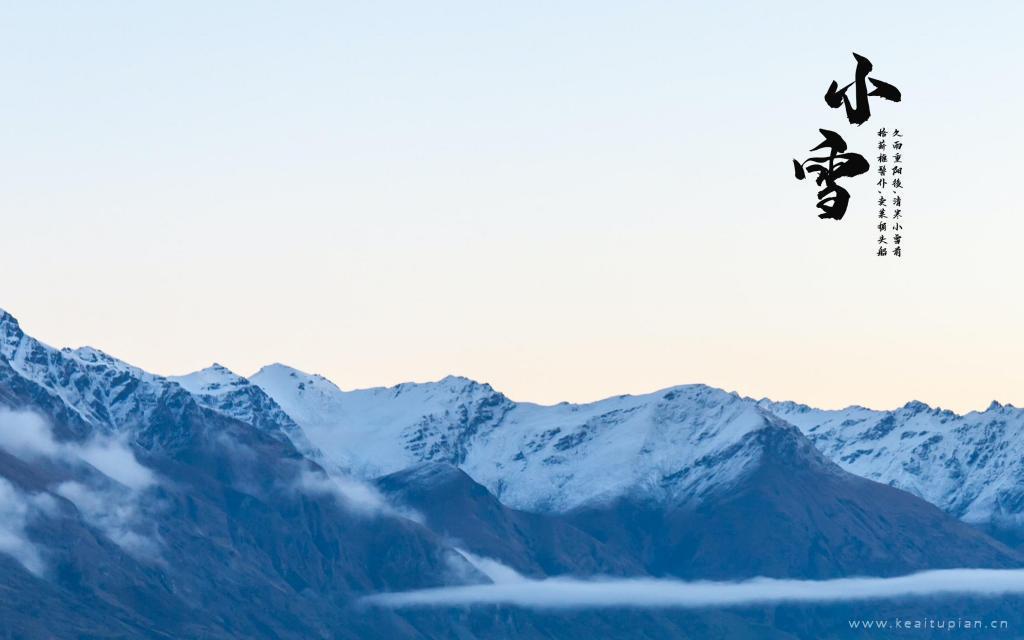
x: 994, y: 404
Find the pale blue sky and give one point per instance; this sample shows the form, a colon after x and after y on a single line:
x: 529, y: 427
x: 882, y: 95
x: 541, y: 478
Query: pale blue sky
x: 568, y: 200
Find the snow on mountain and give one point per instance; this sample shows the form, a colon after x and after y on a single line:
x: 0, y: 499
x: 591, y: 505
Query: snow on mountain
x: 672, y: 442
x: 677, y: 443
x: 220, y: 389
x: 371, y: 432
x: 971, y: 465
x: 113, y: 396
x: 106, y: 392
x: 674, y: 445
x: 215, y: 381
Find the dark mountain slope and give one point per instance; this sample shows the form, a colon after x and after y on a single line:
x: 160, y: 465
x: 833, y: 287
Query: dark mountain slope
x: 240, y: 548
x: 472, y: 518
x: 794, y: 514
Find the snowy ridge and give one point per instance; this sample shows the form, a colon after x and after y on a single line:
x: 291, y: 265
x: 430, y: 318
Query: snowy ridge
x: 672, y: 443
x: 213, y: 381
x: 676, y: 444
x: 106, y: 392
x: 372, y: 432
x: 971, y: 466
x: 114, y: 397
x: 220, y: 389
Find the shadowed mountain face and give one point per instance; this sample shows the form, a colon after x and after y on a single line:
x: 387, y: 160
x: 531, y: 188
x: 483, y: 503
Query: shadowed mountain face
x: 138, y: 506
x: 226, y: 541
x: 970, y: 466
x: 793, y: 515
x: 470, y: 517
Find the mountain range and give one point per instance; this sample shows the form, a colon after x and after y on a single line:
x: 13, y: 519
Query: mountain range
x: 215, y: 505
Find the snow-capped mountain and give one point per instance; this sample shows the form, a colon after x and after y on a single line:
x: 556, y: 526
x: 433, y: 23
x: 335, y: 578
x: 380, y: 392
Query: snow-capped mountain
x: 226, y: 392
x: 971, y: 466
x: 106, y: 393
x: 114, y: 397
x: 675, y: 443
x: 669, y: 443
x: 372, y: 432
x: 211, y: 505
x: 129, y: 509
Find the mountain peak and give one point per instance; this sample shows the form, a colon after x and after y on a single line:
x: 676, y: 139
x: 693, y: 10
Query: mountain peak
x: 217, y: 369
x: 7, y: 319
x: 427, y: 474
x: 279, y: 375
x: 284, y: 371
x: 453, y: 379
x: 276, y: 368
x: 693, y: 392
x: 10, y: 329
x: 783, y: 443
x: 916, y: 406
x: 462, y: 383
x: 94, y: 356
x: 213, y: 380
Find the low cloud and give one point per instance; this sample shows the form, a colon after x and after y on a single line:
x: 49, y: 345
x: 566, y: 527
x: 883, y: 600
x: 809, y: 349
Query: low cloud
x: 115, y: 460
x: 117, y: 513
x: 569, y: 593
x: 354, y: 495
x: 16, y: 510
x: 110, y: 504
x: 26, y: 435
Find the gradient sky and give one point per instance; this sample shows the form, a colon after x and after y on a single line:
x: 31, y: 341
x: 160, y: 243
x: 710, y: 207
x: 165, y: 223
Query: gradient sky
x: 568, y: 200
